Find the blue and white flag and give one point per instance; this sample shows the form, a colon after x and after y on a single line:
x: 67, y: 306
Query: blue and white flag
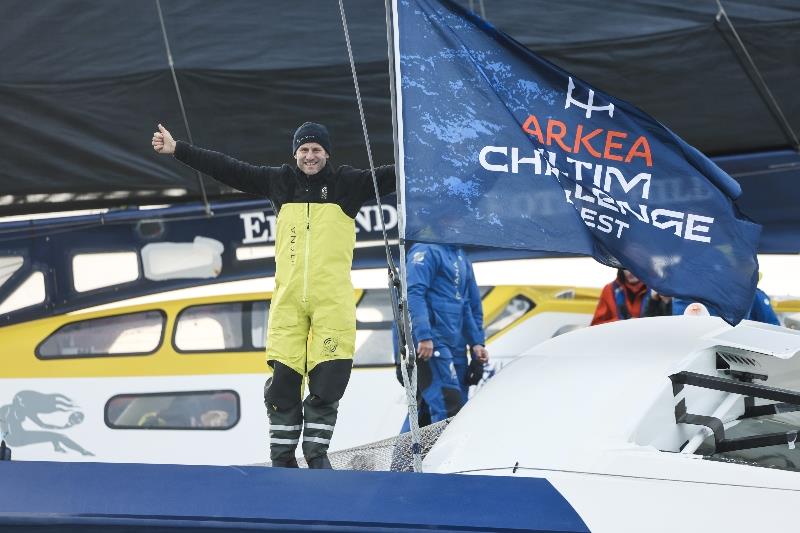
x: 498, y: 147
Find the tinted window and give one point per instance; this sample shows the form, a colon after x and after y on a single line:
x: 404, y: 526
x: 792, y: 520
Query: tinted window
x: 131, y: 334
x: 258, y: 324
x: 514, y: 309
x: 237, y: 326
x: 374, y: 306
x: 9, y: 265
x: 374, y: 345
x: 211, y: 410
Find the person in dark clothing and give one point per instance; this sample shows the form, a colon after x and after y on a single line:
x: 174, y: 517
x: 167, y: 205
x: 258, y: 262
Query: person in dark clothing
x: 311, y: 330
x: 625, y: 297
x: 658, y: 305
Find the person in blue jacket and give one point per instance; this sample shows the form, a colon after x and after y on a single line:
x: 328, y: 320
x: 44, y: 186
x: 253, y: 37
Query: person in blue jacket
x: 441, y: 292
x: 760, y: 311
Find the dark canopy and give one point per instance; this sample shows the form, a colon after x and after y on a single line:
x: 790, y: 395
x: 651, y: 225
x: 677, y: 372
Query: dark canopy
x: 83, y: 84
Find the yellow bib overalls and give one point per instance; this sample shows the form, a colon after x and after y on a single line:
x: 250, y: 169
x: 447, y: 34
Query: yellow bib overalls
x: 313, y: 291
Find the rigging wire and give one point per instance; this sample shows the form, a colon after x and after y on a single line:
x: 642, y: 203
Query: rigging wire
x: 776, y: 108
x: 389, y: 259
x: 399, y: 307
x: 180, y: 102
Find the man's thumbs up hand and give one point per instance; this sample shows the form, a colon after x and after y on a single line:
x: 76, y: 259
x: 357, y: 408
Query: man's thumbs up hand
x: 163, y: 143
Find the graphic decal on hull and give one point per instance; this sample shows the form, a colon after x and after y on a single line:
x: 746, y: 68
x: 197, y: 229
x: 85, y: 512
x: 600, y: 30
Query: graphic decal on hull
x: 29, y: 405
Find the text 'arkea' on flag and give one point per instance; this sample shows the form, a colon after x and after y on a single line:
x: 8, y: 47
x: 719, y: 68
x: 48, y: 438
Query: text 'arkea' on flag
x: 499, y: 147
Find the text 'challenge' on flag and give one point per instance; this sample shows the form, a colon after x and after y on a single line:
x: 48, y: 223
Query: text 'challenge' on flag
x: 498, y: 147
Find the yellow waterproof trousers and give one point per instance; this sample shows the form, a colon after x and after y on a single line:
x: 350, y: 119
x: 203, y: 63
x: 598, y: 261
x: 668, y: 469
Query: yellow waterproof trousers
x: 313, y: 291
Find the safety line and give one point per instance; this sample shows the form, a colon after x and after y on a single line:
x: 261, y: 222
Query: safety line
x: 180, y: 102
x: 389, y: 259
x: 631, y: 476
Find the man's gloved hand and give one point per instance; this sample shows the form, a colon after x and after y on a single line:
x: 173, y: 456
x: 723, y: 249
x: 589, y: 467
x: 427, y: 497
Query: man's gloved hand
x: 480, y: 353
x: 474, y: 372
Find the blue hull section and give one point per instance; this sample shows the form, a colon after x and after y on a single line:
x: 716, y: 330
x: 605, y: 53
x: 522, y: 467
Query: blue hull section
x: 49, y: 496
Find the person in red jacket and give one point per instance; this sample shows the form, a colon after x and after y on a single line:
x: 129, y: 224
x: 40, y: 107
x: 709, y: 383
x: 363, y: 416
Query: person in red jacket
x: 625, y: 297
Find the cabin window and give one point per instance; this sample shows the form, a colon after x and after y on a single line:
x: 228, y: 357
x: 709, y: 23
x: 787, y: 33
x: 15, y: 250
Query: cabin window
x: 514, y: 309
x: 374, y: 344
x: 97, y: 270
x: 235, y: 326
x: 195, y: 410
x: 129, y: 334
x: 9, y: 265
x: 30, y: 292
x: 258, y: 326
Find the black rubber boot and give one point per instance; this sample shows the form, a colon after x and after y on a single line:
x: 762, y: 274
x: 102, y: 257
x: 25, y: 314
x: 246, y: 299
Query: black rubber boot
x: 326, y: 385
x: 285, y: 412
x: 319, y: 421
x: 290, y: 462
x: 320, y: 463
x: 284, y: 432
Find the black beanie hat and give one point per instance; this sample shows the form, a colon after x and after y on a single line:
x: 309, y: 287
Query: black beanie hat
x: 311, y: 132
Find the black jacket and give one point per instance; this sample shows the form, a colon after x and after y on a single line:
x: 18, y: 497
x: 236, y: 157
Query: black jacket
x: 346, y: 186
